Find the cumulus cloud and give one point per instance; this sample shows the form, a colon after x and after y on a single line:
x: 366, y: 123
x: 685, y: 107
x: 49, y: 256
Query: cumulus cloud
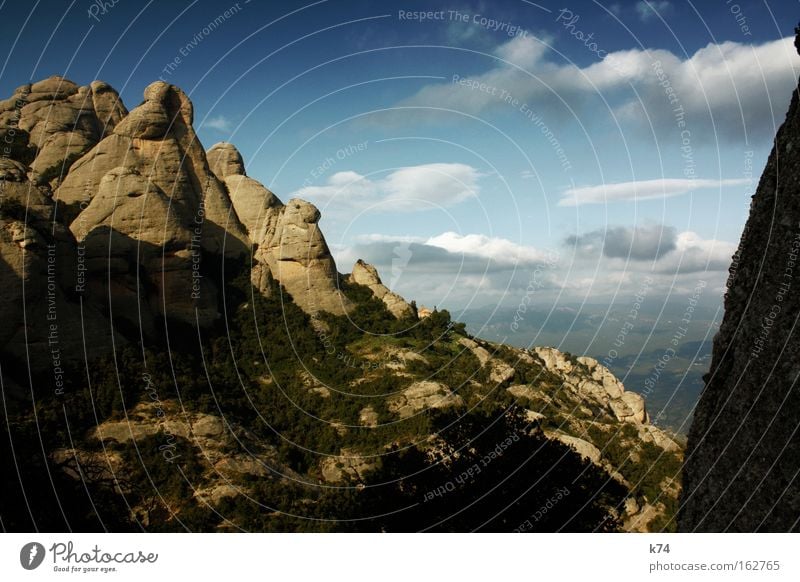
x: 722, y: 90
x: 454, y: 270
x: 451, y: 269
x: 640, y: 190
x: 647, y: 10
x: 666, y: 250
x: 449, y: 251
x: 694, y: 254
x: 500, y: 250
x: 407, y: 189
x: 524, y: 51
x: 639, y: 243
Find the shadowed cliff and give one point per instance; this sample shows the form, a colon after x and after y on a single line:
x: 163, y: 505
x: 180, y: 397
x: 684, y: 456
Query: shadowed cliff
x: 743, y: 457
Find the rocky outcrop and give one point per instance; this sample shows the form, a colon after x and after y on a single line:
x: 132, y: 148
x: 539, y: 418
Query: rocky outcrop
x: 421, y: 396
x: 349, y: 465
x: 157, y: 141
x: 59, y: 122
x: 257, y: 208
x: 499, y: 371
x: 743, y: 451
x: 297, y: 256
x: 289, y: 244
x: 367, y: 275
x: 595, y: 383
x: 228, y: 454
x: 39, y: 268
x: 140, y: 254
x: 152, y: 216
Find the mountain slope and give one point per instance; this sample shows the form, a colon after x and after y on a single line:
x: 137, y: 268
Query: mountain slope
x: 250, y: 385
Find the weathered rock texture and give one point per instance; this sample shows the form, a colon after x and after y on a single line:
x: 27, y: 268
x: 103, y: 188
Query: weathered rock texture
x: 256, y: 206
x: 57, y: 122
x: 743, y: 455
x: 151, y: 215
x: 365, y: 274
x: 297, y: 255
x: 290, y: 246
x: 157, y: 140
x: 38, y: 270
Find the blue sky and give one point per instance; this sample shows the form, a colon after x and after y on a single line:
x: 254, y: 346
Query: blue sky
x: 586, y: 145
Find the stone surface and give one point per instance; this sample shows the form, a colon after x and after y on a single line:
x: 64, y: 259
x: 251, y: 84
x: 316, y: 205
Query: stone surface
x: 157, y: 141
x: 743, y: 451
x: 39, y: 269
x: 348, y: 465
x: 297, y: 256
x: 62, y: 122
x: 368, y: 417
x: 584, y: 448
x: 422, y: 395
x: 499, y: 371
x: 257, y: 208
x: 141, y: 246
x: 147, y: 211
x: 367, y: 275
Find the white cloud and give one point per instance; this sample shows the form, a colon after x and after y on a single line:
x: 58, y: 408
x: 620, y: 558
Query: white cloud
x: 647, y: 10
x: 640, y: 190
x: 220, y: 123
x: 724, y: 89
x: 500, y: 250
x: 637, y: 243
x: 523, y: 51
x: 453, y: 270
x: 413, y: 188
x: 694, y: 254
x: 651, y: 249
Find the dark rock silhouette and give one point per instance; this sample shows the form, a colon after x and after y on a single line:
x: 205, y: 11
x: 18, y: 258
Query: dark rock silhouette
x: 742, y: 470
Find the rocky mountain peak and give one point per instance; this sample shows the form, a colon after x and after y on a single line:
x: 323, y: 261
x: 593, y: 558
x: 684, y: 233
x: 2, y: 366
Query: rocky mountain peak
x: 225, y: 160
x: 367, y: 275
x: 53, y: 122
x: 298, y: 256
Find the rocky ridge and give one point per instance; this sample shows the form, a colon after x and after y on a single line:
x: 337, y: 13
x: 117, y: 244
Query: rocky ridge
x: 132, y: 226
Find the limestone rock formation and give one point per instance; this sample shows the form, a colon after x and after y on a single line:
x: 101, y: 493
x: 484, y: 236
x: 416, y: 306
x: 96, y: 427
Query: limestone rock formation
x: 257, y: 207
x: 367, y: 275
x: 289, y: 244
x: 297, y: 255
x: 596, y: 384
x: 150, y: 214
x: 157, y: 140
x: 61, y: 122
x: 743, y: 452
x: 423, y: 395
x: 499, y: 371
x: 141, y: 254
x: 39, y: 268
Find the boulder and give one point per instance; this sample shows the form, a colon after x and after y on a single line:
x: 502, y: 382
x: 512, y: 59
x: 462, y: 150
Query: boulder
x: 422, y: 395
